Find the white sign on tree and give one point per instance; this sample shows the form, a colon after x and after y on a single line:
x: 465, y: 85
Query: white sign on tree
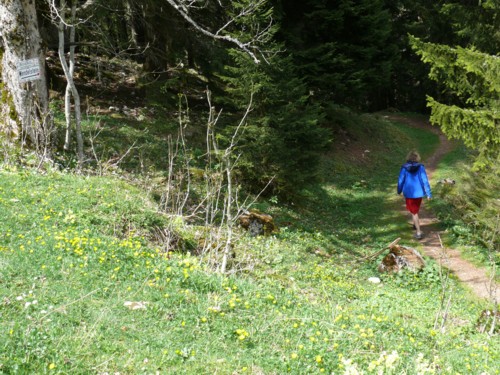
x: 29, y: 70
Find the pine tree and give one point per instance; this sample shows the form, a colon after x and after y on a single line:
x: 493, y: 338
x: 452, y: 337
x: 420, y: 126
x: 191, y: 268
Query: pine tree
x: 473, y: 78
x: 474, y: 23
x: 283, y: 139
x: 342, y: 49
x: 421, y: 18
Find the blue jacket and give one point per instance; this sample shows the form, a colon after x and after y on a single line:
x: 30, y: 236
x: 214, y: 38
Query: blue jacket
x: 413, y: 181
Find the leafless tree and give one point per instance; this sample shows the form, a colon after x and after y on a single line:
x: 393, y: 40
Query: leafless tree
x: 64, y: 22
x: 251, y: 47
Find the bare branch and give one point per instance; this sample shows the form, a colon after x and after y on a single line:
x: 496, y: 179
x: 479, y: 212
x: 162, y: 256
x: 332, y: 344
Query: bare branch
x: 191, y: 4
x: 86, y: 5
x: 244, y: 12
x: 182, y: 10
x: 57, y: 14
x: 242, y: 122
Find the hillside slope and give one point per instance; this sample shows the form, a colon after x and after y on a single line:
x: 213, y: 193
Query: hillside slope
x: 84, y: 288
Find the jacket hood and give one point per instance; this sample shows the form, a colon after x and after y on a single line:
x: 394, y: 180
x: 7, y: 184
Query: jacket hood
x: 412, y: 166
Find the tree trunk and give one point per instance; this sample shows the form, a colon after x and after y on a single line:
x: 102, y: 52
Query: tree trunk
x: 71, y: 89
x: 229, y: 211
x: 132, y: 30
x: 24, y: 105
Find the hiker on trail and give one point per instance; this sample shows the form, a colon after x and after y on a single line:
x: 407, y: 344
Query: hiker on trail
x: 414, y: 185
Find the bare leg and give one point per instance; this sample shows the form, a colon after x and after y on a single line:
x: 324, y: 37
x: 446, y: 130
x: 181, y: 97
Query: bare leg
x: 416, y: 222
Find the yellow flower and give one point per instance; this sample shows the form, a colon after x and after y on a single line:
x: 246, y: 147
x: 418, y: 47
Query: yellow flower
x: 294, y: 355
x: 52, y: 366
x: 242, y: 334
x: 319, y: 359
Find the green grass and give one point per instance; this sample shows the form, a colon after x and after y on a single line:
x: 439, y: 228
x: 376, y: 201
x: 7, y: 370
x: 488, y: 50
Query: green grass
x: 452, y: 166
x: 469, y: 224
x: 140, y: 143
x: 74, y: 249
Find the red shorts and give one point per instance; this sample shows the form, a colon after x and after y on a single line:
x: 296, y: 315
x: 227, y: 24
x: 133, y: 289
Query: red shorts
x: 413, y: 205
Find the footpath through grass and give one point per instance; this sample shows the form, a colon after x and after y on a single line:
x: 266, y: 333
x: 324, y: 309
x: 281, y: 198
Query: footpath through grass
x: 74, y: 250
x: 469, y: 208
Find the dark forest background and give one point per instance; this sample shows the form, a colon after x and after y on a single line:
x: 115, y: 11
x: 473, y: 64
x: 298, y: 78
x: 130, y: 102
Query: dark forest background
x: 316, y: 57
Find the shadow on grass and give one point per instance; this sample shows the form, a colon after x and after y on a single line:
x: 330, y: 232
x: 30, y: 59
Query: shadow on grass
x: 356, y: 208
x: 352, y: 209
x: 349, y: 221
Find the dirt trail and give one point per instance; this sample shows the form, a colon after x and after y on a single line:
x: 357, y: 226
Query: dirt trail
x: 475, y: 278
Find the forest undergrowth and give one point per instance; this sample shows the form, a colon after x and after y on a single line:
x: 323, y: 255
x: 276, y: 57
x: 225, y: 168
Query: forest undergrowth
x: 86, y: 287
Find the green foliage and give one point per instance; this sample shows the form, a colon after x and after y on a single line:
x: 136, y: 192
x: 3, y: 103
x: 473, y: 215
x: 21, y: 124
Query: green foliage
x: 251, y: 20
x: 475, y: 23
x: 342, y: 49
x: 447, y: 22
x: 409, y: 83
x: 283, y: 138
x: 478, y: 129
x: 474, y: 78
x: 472, y: 210
x: 429, y: 277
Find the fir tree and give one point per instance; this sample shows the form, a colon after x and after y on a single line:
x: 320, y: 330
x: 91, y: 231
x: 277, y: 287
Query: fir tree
x: 283, y: 139
x: 473, y: 78
x: 342, y: 49
x: 474, y: 23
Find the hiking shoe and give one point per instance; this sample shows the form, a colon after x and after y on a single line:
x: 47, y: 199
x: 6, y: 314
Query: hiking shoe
x: 419, y: 236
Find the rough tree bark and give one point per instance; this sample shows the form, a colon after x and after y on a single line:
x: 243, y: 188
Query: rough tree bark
x: 24, y: 105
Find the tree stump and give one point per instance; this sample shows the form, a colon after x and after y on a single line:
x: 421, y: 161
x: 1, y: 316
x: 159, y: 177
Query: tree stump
x: 257, y: 223
x: 401, y: 257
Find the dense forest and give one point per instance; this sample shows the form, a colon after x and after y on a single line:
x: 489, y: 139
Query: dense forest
x: 289, y: 64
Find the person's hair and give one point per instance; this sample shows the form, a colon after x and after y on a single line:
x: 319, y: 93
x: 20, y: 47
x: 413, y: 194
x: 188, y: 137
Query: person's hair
x: 413, y: 156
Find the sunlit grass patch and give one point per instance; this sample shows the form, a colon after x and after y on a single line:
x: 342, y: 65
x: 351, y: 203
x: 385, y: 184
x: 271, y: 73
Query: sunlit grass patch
x: 83, y: 289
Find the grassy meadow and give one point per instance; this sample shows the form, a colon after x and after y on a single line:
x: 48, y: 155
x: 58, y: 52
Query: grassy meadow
x: 85, y: 288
